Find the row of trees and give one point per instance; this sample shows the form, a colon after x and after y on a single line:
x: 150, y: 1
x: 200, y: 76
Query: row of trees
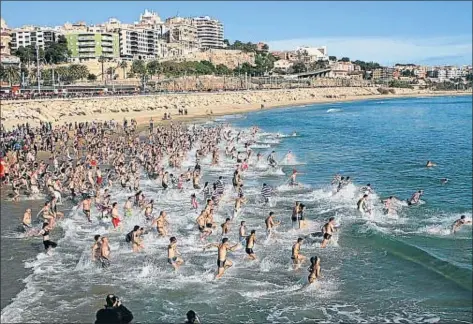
x: 73, y: 72
x: 263, y: 63
x: 245, y: 47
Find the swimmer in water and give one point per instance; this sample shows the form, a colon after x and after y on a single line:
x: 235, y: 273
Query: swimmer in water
x: 314, y: 269
x: 415, y: 197
x: 430, y: 164
x: 173, y: 254
x: 297, y: 258
x: 459, y: 223
x: 327, y: 231
x: 362, y: 204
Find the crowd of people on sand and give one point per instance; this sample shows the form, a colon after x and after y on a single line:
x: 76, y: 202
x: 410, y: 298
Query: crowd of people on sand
x: 81, y: 162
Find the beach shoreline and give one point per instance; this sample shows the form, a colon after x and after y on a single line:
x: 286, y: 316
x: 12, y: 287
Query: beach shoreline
x: 199, y: 105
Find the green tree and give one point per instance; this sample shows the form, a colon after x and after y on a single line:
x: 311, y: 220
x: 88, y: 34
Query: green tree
x: 77, y: 72
x: 153, y: 67
x: 222, y: 69
x: 345, y: 59
x: 25, y: 54
x: 57, y: 52
x: 123, y: 65
x: 62, y: 73
x: 138, y: 67
x: 91, y: 77
x: 2, y: 72
x: 332, y: 58
x: 226, y: 42
x: 265, y: 47
x: 299, y: 67
x: 12, y: 74
x: 111, y: 72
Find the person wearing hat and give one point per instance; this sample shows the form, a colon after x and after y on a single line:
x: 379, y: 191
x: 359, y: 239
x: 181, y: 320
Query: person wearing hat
x: 113, y: 312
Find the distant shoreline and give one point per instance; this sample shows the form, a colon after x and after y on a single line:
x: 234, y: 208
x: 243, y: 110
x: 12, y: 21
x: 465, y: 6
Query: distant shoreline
x: 199, y: 105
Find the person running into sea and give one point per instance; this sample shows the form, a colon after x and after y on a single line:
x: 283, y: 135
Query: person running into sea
x: 173, y: 254
x: 270, y: 224
x: 162, y: 223
x: 266, y: 193
x: 48, y: 244
x: 128, y: 207
x: 225, y: 228
x: 222, y: 262
x: 297, y: 258
x: 242, y: 233
x: 86, y: 203
x: 250, y: 243
x: 105, y: 252
x: 26, y: 221
x: 137, y: 241
x: 314, y: 269
x: 459, y: 223
x: 116, y: 221
x: 96, y: 248
x: 272, y: 159
x: 327, y: 231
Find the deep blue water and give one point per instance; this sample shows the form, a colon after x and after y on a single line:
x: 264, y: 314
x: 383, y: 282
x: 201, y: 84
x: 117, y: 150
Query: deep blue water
x: 413, y: 260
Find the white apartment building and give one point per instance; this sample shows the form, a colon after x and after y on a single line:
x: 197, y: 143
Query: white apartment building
x: 453, y: 73
x: 40, y: 37
x: 441, y: 75
x: 142, y: 44
x: 209, y: 32
x: 312, y: 54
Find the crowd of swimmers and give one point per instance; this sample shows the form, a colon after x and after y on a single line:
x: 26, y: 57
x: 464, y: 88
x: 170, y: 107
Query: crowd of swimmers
x: 87, y: 159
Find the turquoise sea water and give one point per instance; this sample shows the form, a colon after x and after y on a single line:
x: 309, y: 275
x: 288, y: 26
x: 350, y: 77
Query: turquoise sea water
x: 399, y: 269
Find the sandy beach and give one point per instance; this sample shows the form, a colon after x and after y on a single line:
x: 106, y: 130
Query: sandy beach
x: 198, y: 105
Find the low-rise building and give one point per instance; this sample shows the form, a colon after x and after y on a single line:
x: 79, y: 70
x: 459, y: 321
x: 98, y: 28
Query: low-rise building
x: 85, y: 46
x: 9, y: 60
x: 283, y: 64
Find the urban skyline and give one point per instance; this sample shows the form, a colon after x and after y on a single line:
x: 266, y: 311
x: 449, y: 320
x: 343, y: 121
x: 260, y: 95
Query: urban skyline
x: 408, y: 38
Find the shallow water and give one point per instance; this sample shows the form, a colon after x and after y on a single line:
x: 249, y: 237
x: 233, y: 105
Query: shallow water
x: 406, y: 268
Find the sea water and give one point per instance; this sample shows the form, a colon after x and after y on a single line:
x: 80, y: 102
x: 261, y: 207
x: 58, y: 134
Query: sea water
x: 402, y: 268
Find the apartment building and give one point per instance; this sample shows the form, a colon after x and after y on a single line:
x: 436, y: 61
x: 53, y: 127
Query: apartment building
x: 183, y: 31
x: 209, y: 32
x: 453, y: 73
x: 86, y: 45
x: 5, y: 38
x: 141, y: 44
x: 37, y: 37
x: 312, y: 54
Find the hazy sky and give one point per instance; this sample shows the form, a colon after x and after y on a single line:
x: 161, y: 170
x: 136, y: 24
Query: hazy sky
x: 433, y: 32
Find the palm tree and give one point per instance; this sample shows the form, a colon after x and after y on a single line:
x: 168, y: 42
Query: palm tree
x: 123, y: 65
x: 12, y: 73
x: 111, y: 72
